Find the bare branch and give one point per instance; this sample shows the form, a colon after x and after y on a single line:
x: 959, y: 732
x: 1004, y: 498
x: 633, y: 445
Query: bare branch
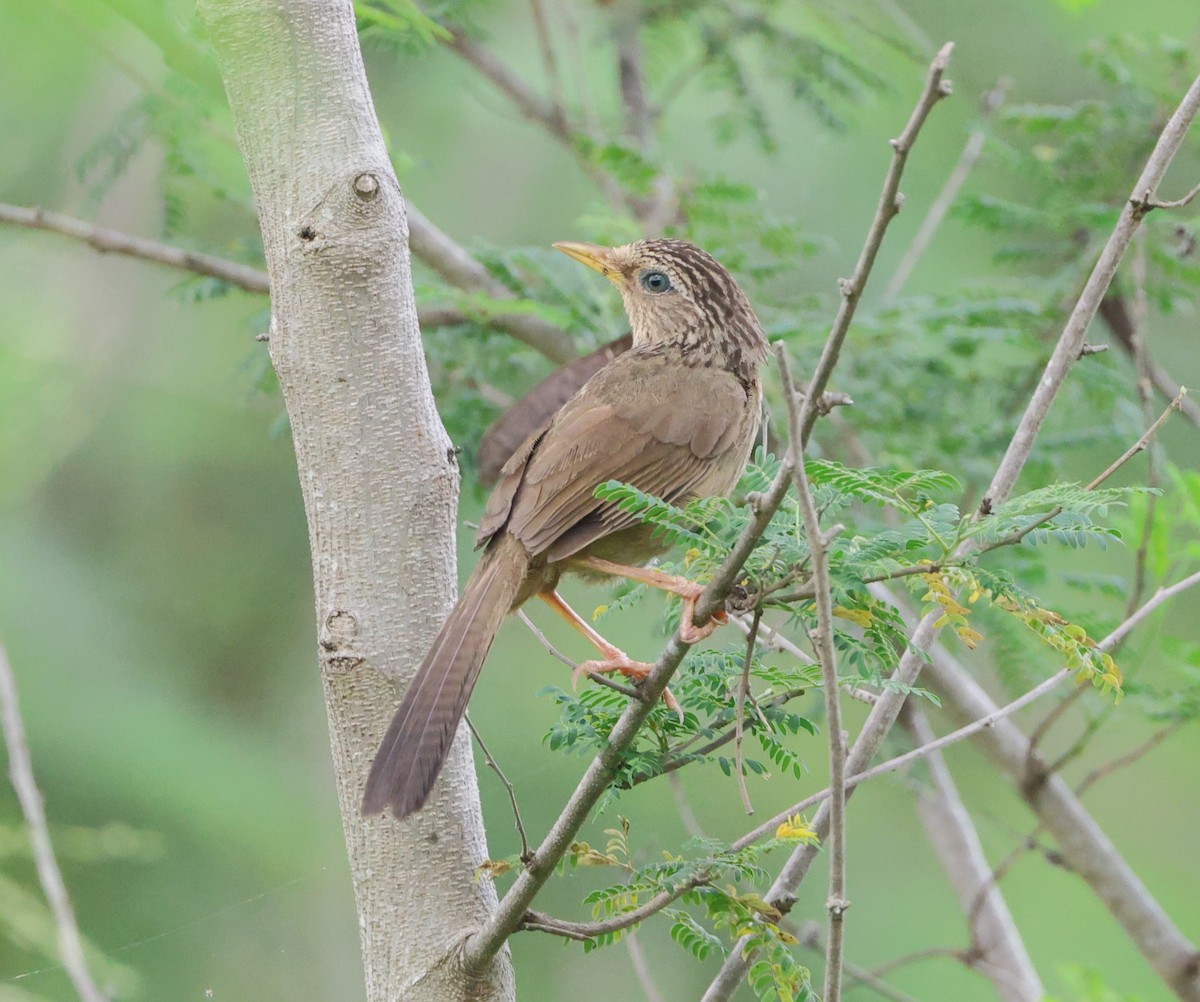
x: 512, y: 793
x: 1178, y: 203
x: 1116, y: 464
x: 20, y: 771
x: 818, y: 549
x: 1066, y: 352
x: 1084, y: 846
x: 767, y: 504
x: 1131, y: 756
x: 593, y: 676
x: 540, y: 922
x: 890, y: 201
x: 460, y: 269
x: 739, y: 711
x: 108, y: 241
x: 1000, y: 954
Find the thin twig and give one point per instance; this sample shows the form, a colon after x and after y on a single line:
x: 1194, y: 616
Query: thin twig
x: 546, y: 48
x: 540, y: 922
x: 982, y: 723
x: 1131, y: 756
x: 512, y: 793
x: 764, y: 506
x: 1084, y: 847
x: 20, y: 771
x: 429, y: 244
x: 107, y: 241
x: 818, y: 549
x: 1066, y: 352
x: 940, y: 206
x: 890, y: 202
x: 1145, y: 390
x: 681, y: 756
x: 1128, y: 454
x: 739, y: 711
x: 1178, y: 203
x: 535, y: 108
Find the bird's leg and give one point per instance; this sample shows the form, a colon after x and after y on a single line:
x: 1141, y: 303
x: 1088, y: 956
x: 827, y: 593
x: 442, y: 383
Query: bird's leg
x: 615, y: 659
x: 689, y: 591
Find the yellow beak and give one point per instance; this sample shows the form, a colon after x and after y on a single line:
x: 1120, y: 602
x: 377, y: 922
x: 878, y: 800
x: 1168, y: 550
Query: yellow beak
x: 593, y: 255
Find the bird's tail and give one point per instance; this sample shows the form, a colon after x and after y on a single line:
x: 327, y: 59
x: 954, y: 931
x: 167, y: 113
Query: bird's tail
x: 419, y: 738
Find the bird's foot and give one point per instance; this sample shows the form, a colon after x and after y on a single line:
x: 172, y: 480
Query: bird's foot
x: 689, y: 632
x: 619, y: 661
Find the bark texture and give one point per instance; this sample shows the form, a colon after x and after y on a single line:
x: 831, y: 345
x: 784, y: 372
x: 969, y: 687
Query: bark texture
x: 376, y: 468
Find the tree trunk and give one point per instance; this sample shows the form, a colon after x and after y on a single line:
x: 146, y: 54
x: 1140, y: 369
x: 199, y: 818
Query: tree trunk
x: 376, y: 468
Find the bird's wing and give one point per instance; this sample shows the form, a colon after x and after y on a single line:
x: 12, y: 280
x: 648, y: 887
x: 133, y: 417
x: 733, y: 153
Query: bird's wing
x: 668, y: 446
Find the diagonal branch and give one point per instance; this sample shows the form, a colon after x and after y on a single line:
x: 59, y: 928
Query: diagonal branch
x: 450, y: 260
x: 1000, y: 953
x: 818, y: 549
x: 1066, y: 352
x: 20, y: 770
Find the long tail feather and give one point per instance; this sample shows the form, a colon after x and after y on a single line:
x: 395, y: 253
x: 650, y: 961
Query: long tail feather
x: 421, y: 732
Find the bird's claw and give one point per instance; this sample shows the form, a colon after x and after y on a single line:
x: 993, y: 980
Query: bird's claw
x: 637, y: 670
x: 689, y: 632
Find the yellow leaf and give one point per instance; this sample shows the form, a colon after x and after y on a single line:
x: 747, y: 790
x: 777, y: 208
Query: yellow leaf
x: 860, y: 617
x: 599, y: 611
x: 492, y: 868
x: 968, y: 636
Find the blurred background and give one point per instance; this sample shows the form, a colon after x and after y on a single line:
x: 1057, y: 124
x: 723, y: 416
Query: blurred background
x: 155, y: 598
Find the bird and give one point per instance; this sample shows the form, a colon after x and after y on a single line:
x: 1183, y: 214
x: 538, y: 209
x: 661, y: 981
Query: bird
x: 676, y: 416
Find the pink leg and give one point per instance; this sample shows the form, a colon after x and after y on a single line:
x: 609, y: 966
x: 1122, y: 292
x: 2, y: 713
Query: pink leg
x: 689, y: 591
x: 615, y: 659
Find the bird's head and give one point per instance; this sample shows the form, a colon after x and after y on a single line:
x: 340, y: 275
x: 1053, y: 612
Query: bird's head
x: 677, y: 295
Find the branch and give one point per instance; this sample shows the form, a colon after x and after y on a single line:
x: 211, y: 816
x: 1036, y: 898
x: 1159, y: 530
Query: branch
x: 20, y: 771
x: 818, y: 549
x: 540, y: 922
x: 460, y: 269
x: 548, y: 114
x: 1128, y: 454
x: 890, y: 202
x: 767, y: 504
x: 108, y: 241
x: 999, y: 953
x: 1066, y: 352
x: 1083, y: 844
x: 436, y: 249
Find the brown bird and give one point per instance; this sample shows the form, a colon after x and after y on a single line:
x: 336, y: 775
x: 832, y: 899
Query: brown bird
x: 674, y: 416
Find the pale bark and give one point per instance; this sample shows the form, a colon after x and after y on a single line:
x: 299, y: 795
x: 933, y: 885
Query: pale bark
x: 376, y: 468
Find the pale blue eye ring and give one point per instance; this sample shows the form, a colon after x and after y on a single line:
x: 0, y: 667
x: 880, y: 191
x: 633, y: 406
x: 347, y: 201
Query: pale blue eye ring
x: 655, y: 281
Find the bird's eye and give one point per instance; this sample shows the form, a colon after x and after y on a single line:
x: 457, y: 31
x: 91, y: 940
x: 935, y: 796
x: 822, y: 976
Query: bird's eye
x: 655, y: 281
